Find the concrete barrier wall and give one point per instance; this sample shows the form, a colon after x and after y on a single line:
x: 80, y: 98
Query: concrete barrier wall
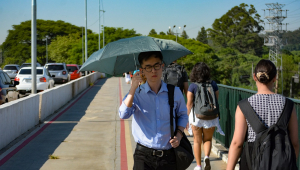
x: 16, y: 118
x: 53, y: 99
x: 20, y: 115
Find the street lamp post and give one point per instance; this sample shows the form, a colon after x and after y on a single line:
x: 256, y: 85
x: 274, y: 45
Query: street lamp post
x: 176, y: 30
x: 33, y: 47
x: 46, y: 39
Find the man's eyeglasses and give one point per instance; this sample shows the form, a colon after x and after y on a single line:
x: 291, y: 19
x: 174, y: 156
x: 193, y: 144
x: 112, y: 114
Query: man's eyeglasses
x: 156, y: 66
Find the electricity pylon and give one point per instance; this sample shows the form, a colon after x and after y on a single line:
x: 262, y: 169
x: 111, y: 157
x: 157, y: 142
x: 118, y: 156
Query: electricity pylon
x: 273, y: 37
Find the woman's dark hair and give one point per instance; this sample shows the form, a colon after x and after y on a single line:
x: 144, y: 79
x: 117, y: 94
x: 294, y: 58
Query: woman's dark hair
x: 265, y: 71
x: 144, y: 56
x: 200, y: 73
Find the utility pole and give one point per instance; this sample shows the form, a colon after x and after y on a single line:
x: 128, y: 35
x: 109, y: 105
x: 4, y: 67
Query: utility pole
x: 103, y: 28
x: 86, y: 48
x: 82, y: 47
x: 33, y: 48
x: 99, y: 25
x: 273, y: 37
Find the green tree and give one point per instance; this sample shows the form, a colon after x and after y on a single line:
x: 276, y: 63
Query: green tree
x: 61, y: 48
x: 152, y: 32
x: 162, y: 33
x: 202, y: 36
x: 170, y: 32
x: 17, y: 45
x: 238, y: 29
x: 184, y: 35
x: 68, y: 48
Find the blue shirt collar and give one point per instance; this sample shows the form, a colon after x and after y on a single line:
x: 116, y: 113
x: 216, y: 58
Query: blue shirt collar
x: 162, y: 88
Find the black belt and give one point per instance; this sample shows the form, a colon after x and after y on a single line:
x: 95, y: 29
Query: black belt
x: 153, y: 152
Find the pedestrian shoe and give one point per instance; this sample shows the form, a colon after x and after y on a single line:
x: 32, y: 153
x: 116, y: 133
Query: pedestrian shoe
x: 206, y: 164
x: 198, y: 168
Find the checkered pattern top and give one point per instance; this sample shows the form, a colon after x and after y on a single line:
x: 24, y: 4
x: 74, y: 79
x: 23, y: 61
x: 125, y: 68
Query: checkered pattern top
x: 268, y: 107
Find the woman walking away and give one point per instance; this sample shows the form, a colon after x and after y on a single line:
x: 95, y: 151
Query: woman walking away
x: 270, y: 122
x: 202, y: 126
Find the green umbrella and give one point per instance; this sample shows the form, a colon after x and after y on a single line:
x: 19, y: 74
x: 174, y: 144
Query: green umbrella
x: 122, y: 56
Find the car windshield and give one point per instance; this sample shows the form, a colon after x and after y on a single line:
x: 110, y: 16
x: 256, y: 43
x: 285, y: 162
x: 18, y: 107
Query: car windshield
x: 10, y: 68
x: 72, y: 68
x: 55, y: 67
x: 28, y: 71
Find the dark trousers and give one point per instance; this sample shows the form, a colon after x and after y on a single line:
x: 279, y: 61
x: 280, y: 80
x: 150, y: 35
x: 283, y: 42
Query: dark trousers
x: 145, y: 161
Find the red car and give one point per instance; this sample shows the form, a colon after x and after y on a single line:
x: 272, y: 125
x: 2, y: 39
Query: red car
x: 73, y: 71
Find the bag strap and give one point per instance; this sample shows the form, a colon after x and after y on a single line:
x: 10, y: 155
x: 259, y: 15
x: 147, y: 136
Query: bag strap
x: 251, y: 116
x: 171, y: 89
x: 198, y: 91
x: 285, y: 116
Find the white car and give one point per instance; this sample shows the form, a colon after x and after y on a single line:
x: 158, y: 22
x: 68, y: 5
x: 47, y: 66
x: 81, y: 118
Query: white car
x: 44, y: 80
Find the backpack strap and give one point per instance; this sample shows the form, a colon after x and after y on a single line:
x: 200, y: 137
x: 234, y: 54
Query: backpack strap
x: 198, y: 91
x: 251, y: 116
x: 255, y: 123
x: 285, y: 116
x: 171, y: 89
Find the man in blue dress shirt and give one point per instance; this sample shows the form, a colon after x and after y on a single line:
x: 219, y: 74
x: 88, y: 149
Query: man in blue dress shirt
x: 151, y: 116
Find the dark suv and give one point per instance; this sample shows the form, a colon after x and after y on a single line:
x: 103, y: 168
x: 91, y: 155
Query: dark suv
x: 6, y: 85
x: 59, y: 72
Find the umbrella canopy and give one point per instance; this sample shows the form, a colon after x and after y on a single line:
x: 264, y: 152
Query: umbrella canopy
x: 122, y: 56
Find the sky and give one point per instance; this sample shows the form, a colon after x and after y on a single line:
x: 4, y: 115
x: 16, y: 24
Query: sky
x: 140, y: 15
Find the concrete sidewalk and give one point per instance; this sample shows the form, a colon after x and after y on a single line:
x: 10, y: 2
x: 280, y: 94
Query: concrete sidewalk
x: 85, y: 134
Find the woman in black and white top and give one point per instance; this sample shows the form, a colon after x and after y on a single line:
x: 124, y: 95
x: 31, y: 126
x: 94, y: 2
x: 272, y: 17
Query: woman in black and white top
x: 268, y: 106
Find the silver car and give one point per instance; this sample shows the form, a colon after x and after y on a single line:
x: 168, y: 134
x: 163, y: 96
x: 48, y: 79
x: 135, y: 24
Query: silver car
x: 59, y: 72
x: 11, y: 70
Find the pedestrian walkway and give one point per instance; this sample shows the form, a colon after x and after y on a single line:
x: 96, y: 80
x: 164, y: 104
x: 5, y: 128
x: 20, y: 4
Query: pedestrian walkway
x: 85, y: 134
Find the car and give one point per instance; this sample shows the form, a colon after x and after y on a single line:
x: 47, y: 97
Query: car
x: 29, y: 65
x: 73, y: 71
x: 11, y: 70
x: 6, y: 85
x: 44, y: 80
x: 59, y: 71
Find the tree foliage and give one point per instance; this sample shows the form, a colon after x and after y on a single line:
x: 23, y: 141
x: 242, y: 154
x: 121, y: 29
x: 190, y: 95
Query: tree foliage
x: 170, y: 32
x: 238, y: 29
x: 152, y: 32
x: 292, y: 40
x: 184, y: 35
x: 162, y: 33
x: 202, y: 36
x: 17, y: 45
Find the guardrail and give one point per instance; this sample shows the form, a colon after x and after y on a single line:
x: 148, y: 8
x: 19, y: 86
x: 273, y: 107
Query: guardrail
x: 18, y: 116
x: 228, y: 98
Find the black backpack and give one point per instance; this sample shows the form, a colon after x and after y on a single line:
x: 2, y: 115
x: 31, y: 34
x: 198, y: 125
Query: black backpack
x: 205, y: 104
x: 272, y: 148
x: 173, y: 74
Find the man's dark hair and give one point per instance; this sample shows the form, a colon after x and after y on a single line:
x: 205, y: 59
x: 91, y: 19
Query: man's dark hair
x: 200, y: 73
x: 268, y: 70
x: 144, y: 56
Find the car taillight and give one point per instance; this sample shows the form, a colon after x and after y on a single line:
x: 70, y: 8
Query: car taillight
x: 64, y: 72
x: 17, y: 79
x: 17, y: 71
x: 43, y: 79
